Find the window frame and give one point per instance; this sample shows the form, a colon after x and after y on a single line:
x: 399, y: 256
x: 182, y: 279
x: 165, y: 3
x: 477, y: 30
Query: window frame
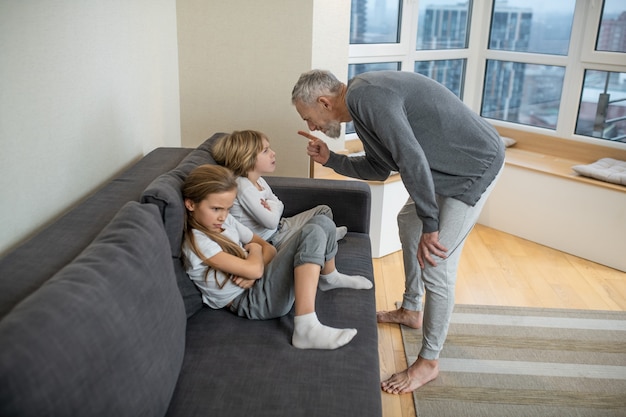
x: 581, y: 56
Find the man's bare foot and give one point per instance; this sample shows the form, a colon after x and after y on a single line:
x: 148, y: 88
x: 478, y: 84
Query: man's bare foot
x: 412, y: 319
x: 421, y: 372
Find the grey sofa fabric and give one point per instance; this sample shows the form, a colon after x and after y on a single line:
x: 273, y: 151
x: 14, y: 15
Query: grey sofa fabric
x: 104, y: 336
x: 28, y: 266
x: 351, y: 200
x: 165, y: 193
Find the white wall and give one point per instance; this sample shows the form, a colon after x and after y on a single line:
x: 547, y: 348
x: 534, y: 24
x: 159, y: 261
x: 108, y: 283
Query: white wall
x: 86, y: 88
x: 584, y: 220
x: 239, y: 60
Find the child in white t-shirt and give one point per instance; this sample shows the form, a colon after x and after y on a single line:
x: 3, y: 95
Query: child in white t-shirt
x: 248, y: 154
x: 235, y: 268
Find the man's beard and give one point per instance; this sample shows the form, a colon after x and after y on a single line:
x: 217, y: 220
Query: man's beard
x: 333, y: 130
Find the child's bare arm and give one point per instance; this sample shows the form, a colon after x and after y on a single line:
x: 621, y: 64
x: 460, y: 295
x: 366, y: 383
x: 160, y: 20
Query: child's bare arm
x: 268, y: 250
x: 248, y: 268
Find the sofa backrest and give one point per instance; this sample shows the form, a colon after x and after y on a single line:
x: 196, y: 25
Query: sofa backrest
x: 105, y: 336
x: 165, y: 192
x: 29, y: 265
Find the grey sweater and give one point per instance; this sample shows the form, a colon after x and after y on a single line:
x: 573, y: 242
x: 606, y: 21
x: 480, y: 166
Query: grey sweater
x: 414, y: 125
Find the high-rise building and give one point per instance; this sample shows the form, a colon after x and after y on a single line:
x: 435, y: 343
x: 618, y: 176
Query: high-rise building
x: 612, y: 36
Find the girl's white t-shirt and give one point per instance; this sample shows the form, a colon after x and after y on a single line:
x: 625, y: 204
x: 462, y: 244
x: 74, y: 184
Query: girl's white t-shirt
x: 212, y: 294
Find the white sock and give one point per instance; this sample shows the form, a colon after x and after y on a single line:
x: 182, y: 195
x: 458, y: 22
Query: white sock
x: 340, y: 232
x: 338, y: 280
x: 309, y: 333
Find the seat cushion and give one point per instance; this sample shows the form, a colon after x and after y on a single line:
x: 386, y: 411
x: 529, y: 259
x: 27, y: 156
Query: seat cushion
x: 605, y: 169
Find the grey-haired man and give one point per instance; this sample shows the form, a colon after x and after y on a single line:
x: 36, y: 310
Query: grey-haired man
x: 448, y: 158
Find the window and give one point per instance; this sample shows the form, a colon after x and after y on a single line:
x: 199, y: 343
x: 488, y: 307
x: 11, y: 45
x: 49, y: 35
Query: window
x: 539, y: 65
x: 448, y: 72
x: 374, y: 22
x: 523, y: 90
x: 531, y: 26
x: 612, y: 30
x: 354, y: 69
x: 442, y: 25
x: 602, y: 110
x: 522, y: 93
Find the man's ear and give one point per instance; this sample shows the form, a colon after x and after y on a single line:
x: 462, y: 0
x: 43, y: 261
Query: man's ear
x: 189, y: 204
x: 325, y: 102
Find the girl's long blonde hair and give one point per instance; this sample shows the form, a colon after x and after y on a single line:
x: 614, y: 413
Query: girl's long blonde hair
x: 238, y: 151
x: 202, y: 181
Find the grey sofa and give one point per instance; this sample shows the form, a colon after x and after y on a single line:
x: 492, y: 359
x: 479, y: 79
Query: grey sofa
x: 98, y: 317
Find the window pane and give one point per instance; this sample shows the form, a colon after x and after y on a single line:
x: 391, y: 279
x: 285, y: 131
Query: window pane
x: 522, y: 93
x: 375, y: 21
x: 442, y: 24
x: 356, y: 69
x: 537, y: 26
x: 447, y: 72
x: 602, y: 110
x: 612, y: 36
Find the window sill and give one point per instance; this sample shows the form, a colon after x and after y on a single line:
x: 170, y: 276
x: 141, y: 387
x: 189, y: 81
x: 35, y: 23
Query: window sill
x: 555, y: 156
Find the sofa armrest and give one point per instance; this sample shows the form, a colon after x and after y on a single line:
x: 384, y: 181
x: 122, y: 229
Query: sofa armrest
x: 349, y: 200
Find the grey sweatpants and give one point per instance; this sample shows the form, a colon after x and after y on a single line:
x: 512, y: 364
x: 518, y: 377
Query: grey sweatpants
x: 288, y: 226
x: 456, y: 220
x: 273, y: 295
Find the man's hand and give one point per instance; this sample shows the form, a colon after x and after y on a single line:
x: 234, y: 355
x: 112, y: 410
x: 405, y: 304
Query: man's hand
x: 429, y: 245
x: 317, y: 148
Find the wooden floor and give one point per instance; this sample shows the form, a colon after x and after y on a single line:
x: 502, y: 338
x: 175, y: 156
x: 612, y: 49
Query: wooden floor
x: 497, y: 269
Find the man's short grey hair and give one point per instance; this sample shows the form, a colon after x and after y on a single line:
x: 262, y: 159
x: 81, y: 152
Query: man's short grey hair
x: 313, y: 84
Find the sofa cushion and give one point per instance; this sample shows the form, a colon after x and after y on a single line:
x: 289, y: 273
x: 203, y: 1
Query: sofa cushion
x: 165, y: 193
x: 104, y: 336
